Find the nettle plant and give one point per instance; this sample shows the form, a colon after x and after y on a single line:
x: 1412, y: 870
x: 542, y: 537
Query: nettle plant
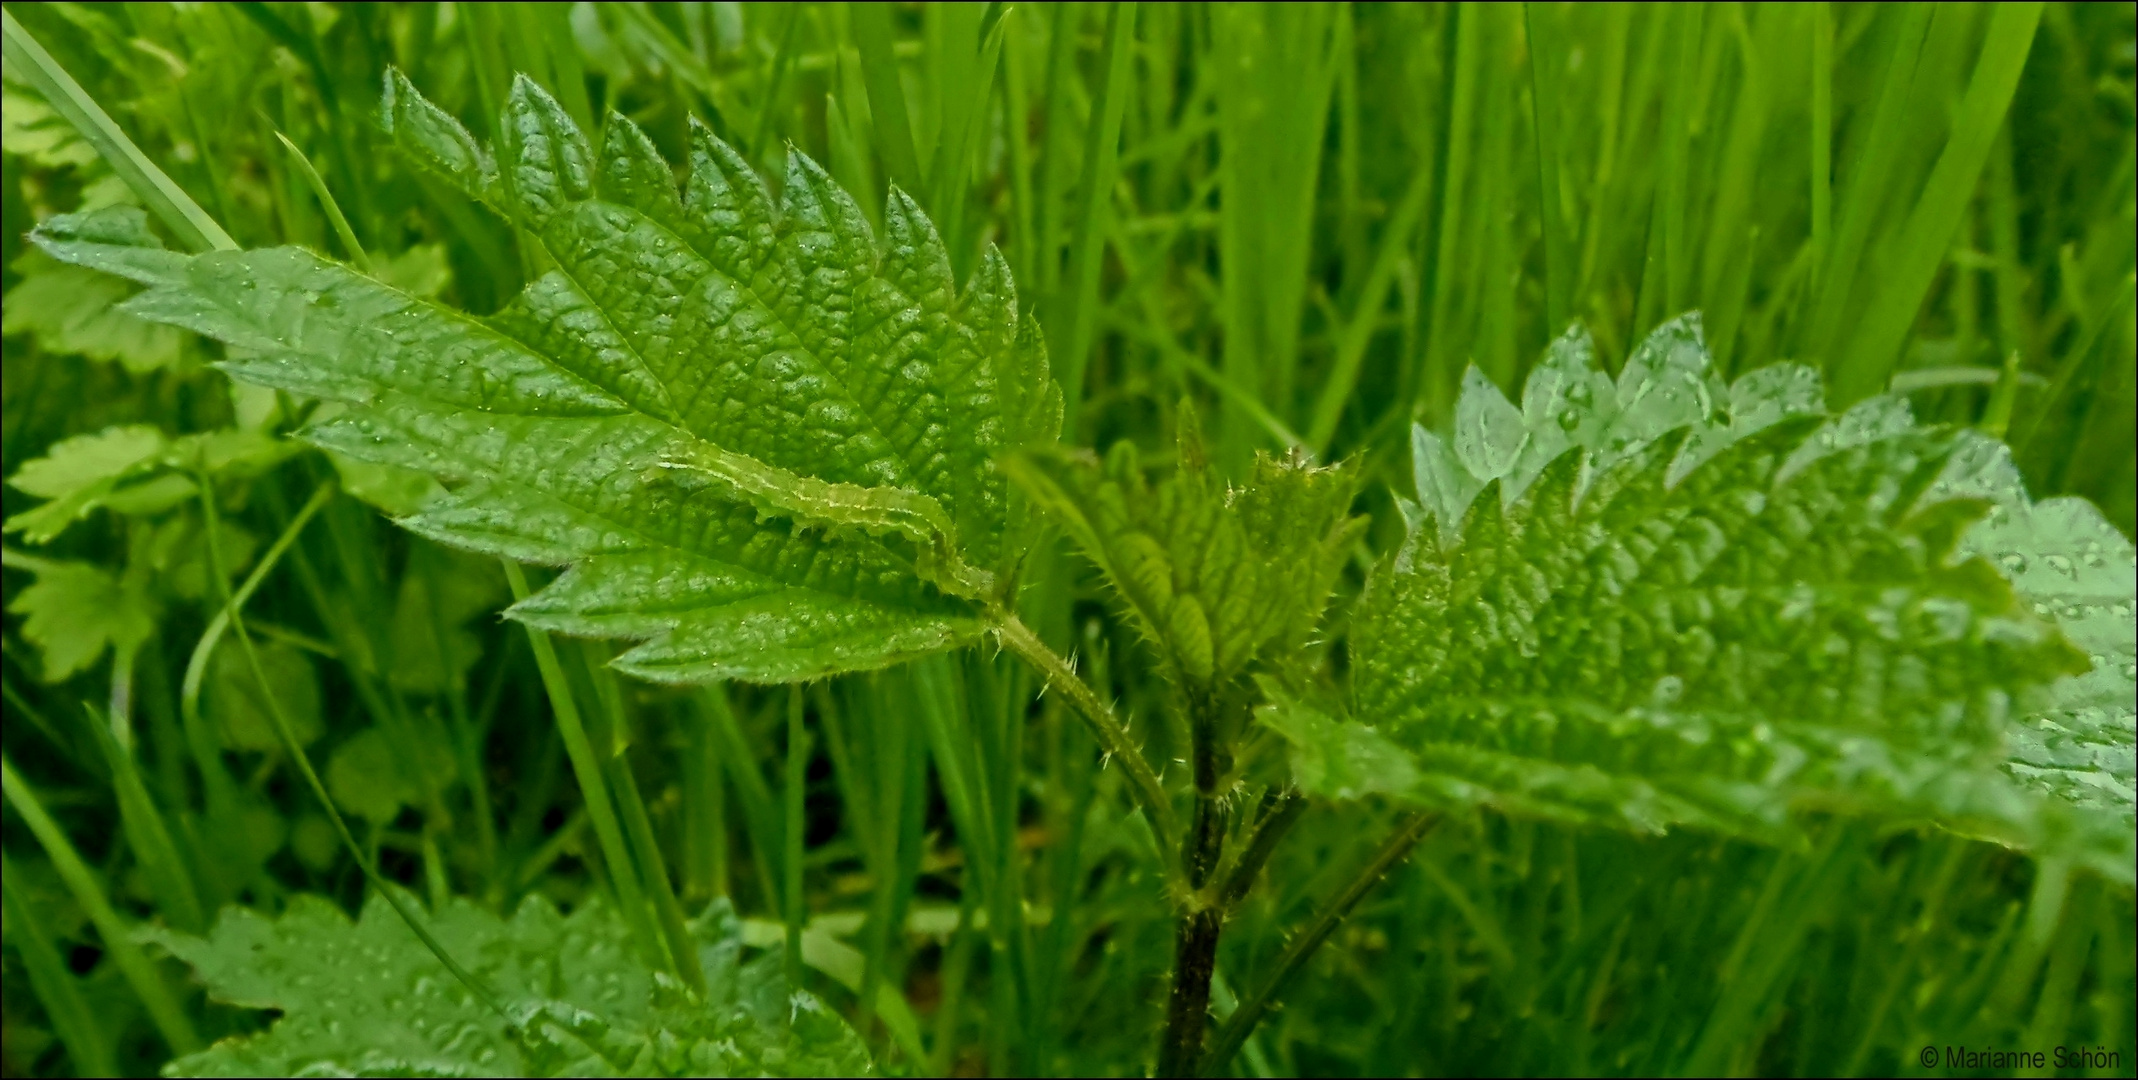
x: 768, y: 445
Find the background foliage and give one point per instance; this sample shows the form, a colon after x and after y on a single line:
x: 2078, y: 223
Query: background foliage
x: 1309, y: 219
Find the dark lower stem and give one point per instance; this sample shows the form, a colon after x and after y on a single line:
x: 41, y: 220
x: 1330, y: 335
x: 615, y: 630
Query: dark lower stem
x: 1188, y: 1011
x: 1195, y: 950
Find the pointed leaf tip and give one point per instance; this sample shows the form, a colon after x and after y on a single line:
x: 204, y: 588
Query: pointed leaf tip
x: 852, y: 407
x: 1703, y: 535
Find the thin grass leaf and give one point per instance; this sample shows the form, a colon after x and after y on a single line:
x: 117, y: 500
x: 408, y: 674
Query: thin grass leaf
x: 171, y: 204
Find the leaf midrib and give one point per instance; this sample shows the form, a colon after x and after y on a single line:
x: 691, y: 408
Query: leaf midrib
x: 911, y: 469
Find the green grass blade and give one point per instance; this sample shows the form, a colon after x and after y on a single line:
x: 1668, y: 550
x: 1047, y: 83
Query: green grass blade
x: 1666, y: 282
x: 1822, y: 131
x: 1357, y: 333
x: 638, y: 825
x: 1043, y: 247
x: 782, y: 60
x: 349, y: 242
x: 1861, y: 367
x: 147, y: 833
x: 887, y: 99
x: 1547, y: 50
x: 1078, y: 302
x: 2057, y: 403
x: 646, y: 851
x: 88, y: 1047
x: 147, y: 983
x: 586, y: 765
x: 1866, y: 189
x: 704, y: 811
x: 793, y: 910
x: 762, y: 818
x: 1442, y: 355
x: 163, y: 197
x: 552, y: 23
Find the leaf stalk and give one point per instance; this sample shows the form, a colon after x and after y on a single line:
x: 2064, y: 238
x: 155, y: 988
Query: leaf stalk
x: 1332, y: 914
x: 1113, y: 738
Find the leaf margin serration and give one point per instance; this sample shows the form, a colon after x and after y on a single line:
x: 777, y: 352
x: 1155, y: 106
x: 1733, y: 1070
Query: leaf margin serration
x: 1991, y: 801
x: 365, y: 996
x: 546, y: 172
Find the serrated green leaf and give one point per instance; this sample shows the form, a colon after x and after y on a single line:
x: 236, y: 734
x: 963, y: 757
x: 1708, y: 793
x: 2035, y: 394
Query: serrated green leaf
x: 241, y: 712
x: 120, y: 468
x: 76, y: 465
x: 74, y: 611
x: 72, y: 309
x: 442, y: 590
x: 34, y: 131
x: 115, y: 240
x: 1683, y: 604
x: 369, y: 778
x: 433, y: 139
x: 368, y: 999
x: 761, y: 439
x: 391, y: 489
x: 1211, y: 576
x: 2070, y: 565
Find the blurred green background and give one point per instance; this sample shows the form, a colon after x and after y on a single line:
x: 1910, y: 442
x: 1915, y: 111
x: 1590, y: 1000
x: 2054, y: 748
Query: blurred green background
x: 1310, y: 219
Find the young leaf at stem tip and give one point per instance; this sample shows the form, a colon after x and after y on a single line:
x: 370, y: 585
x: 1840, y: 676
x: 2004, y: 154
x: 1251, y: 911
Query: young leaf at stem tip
x: 1213, y: 577
x: 761, y: 439
x: 1661, y: 601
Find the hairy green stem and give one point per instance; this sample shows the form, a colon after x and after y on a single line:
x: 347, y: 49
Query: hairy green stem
x: 1113, y: 738
x: 1180, y: 1049
x: 1332, y: 914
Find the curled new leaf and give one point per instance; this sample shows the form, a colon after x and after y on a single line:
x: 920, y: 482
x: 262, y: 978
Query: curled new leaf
x: 1659, y: 600
x: 762, y: 439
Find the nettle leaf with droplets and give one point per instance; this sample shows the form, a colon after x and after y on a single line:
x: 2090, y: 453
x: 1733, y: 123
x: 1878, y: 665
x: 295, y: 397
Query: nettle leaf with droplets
x: 762, y: 440
x: 1213, y: 577
x: 367, y: 998
x: 1661, y: 600
x: 75, y: 309
x: 2069, y: 565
